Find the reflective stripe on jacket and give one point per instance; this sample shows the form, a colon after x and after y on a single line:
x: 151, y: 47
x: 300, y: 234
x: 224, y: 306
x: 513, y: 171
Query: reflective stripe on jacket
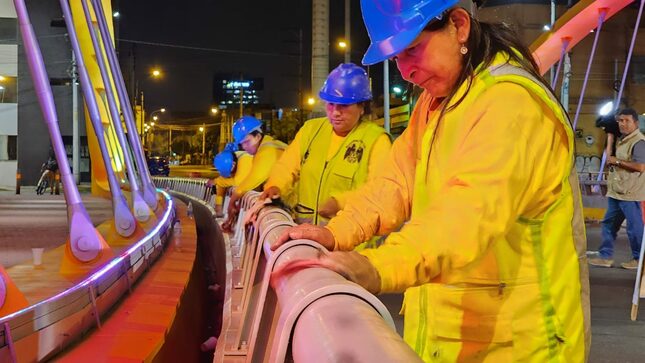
x: 493, y: 228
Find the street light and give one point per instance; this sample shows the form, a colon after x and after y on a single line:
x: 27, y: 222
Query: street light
x: 155, y: 118
x: 116, y: 14
x: 311, y: 101
x: 606, y: 108
x: 214, y: 110
x: 342, y: 44
x: 156, y: 73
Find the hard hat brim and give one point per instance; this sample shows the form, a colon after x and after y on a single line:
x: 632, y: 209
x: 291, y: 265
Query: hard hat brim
x: 387, y: 48
x: 340, y: 100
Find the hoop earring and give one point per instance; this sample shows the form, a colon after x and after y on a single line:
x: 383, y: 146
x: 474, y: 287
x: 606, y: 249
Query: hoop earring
x: 463, y: 50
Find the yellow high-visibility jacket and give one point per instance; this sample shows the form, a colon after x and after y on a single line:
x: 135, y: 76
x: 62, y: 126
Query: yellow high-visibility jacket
x: 267, y: 155
x: 494, y: 235
x: 320, y: 164
x: 242, y: 169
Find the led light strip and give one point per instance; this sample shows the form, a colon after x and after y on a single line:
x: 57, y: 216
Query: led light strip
x: 105, y: 269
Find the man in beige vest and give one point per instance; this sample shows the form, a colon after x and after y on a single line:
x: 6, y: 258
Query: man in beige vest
x: 625, y: 191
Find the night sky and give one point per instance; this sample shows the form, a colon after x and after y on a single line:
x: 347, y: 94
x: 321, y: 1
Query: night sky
x: 256, y: 38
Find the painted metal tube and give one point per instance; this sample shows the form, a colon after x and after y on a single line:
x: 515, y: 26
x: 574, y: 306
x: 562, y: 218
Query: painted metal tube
x: 84, y: 238
x: 339, y: 324
x: 629, y: 55
x: 601, y: 19
x: 139, y: 206
x: 149, y: 190
x: 565, y: 44
x: 123, y: 219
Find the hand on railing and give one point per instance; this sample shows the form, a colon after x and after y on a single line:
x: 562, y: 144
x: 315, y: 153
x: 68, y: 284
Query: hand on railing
x: 271, y: 192
x: 307, y: 231
x: 351, y: 265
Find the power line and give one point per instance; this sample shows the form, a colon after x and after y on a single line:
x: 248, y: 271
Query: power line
x: 214, y: 50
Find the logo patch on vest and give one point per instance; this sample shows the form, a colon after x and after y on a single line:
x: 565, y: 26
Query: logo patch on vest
x: 354, y: 151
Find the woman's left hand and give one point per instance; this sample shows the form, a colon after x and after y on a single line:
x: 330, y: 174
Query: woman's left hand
x: 354, y: 267
x: 329, y: 208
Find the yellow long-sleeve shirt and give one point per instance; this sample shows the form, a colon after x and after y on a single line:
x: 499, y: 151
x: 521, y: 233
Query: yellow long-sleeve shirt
x: 486, y: 212
x: 242, y: 170
x: 287, y: 170
x: 267, y: 155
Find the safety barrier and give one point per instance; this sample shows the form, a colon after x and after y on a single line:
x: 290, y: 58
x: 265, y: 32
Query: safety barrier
x: 311, y: 315
x: 52, y: 324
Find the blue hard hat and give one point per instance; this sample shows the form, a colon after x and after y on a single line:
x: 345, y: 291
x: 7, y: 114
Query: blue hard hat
x: 231, y: 146
x: 393, y: 24
x: 346, y: 84
x: 245, y: 126
x: 224, y: 162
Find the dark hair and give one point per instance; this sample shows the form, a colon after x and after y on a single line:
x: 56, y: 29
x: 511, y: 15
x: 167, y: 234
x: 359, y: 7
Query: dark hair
x: 367, y: 107
x: 485, y: 41
x: 630, y: 112
x: 256, y: 133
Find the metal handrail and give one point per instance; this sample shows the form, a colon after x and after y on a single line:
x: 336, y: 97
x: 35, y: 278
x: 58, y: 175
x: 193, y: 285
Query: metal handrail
x: 126, y: 268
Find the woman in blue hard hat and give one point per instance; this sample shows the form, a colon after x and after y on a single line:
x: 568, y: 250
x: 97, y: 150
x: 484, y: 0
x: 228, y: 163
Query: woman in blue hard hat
x: 331, y: 155
x: 487, y: 237
x: 233, y: 167
x: 247, y: 132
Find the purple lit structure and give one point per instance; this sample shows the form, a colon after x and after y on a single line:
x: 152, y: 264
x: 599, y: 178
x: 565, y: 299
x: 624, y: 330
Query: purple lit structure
x: 124, y: 221
x: 84, y: 239
x: 148, y: 188
x: 141, y: 210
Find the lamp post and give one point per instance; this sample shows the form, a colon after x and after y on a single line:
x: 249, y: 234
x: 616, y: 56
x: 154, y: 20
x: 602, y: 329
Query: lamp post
x: 202, y: 129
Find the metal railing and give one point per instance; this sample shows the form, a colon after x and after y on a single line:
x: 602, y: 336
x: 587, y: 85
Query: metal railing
x: 311, y: 315
x: 57, y: 318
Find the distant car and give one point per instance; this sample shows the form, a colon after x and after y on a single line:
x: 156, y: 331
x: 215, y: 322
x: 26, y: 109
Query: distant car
x: 158, y: 165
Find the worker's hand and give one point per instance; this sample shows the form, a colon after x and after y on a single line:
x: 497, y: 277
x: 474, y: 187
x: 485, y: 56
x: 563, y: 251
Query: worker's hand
x: 611, y: 160
x: 354, y: 267
x: 219, y: 211
x: 227, y: 225
x: 233, y: 207
x: 329, y: 208
x: 272, y: 192
x: 307, y: 231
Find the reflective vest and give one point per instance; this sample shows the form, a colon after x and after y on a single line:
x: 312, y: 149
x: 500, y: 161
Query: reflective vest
x: 625, y: 184
x: 509, y: 305
x: 320, y: 178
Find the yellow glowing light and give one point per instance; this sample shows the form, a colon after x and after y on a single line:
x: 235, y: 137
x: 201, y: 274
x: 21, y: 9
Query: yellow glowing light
x: 155, y: 118
x: 214, y: 110
x: 311, y: 100
x: 162, y: 110
x: 156, y: 73
x: 201, y: 129
x: 152, y: 123
x: 342, y: 44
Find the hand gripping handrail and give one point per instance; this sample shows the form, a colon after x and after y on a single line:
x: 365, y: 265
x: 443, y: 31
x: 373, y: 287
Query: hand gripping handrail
x: 312, y: 315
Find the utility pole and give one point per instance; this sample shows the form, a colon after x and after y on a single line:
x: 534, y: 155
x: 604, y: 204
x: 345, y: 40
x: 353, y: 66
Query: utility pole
x: 241, y: 96
x: 348, y: 42
x: 386, y: 95
x: 76, y: 164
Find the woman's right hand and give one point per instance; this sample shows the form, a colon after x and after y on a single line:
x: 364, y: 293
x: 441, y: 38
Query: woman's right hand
x: 307, y: 231
x: 272, y: 192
